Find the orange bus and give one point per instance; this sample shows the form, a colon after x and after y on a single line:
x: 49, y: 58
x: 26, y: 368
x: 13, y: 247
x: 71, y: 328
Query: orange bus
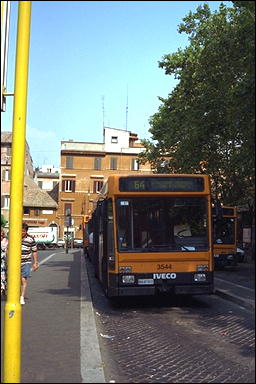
x: 224, y: 236
x: 152, y: 233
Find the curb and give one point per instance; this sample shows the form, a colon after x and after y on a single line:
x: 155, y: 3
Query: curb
x: 91, y: 362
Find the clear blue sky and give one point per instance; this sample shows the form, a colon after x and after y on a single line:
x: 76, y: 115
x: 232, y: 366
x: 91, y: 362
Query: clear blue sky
x: 84, y: 51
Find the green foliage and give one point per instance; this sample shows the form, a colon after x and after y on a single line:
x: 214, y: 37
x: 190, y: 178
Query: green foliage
x: 207, y: 123
x: 3, y: 221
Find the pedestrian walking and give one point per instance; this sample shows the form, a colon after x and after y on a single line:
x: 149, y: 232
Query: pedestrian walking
x: 28, y: 252
x: 4, y: 248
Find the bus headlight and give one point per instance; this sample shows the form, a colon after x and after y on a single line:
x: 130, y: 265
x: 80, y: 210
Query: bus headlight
x: 199, y: 277
x: 128, y: 279
x: 125, y: 269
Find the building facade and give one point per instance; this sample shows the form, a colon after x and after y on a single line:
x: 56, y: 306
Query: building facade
x: 84, y: 168
x: 39, y: 209
x: 47, y: 177
x: 6, y: 161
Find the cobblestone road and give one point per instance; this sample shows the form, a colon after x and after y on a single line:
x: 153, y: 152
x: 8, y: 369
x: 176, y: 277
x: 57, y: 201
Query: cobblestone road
x: 199, y: 340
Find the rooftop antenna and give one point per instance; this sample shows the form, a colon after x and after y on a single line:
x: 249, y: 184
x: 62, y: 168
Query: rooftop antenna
x: 103, y: 117
x: 126, y: 121
x: 103, y: 111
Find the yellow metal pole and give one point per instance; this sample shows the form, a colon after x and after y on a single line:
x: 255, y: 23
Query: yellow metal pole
x: 13, y: 318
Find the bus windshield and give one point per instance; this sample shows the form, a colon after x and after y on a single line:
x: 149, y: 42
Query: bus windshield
x: 163, y: 224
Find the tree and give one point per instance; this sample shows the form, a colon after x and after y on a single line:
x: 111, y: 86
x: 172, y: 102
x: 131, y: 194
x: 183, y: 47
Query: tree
x: 207, y: 123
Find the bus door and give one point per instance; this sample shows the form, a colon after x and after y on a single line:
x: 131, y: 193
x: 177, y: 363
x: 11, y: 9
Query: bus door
x: 95, y: 230
x: 106, y: 242
x: 101, y: 238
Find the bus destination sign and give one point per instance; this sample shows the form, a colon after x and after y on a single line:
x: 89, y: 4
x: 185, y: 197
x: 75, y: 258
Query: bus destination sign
x: 161, y: 184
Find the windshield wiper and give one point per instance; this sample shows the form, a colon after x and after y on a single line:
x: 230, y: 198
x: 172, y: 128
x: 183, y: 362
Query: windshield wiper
x: 188, y: 248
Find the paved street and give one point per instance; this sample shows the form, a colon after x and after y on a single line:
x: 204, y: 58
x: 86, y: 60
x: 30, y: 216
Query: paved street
x: 204, y: 339
x: 66, y: 339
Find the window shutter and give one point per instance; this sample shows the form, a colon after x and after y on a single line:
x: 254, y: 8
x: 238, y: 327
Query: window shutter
x: 69, y: 162
x: 113, y: 163
x: 63, y: 185
x: 73, y: 186
x: 97, y: 163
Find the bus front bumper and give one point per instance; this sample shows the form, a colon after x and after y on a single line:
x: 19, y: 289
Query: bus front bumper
x: 183, y: 285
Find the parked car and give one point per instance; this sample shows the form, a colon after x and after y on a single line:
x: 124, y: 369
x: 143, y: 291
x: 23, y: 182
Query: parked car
x: 61, y: 243
x: 240, y: 254
x: 78, y: 243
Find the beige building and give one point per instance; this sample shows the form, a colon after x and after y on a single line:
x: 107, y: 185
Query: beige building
x: 73, y: 187
x: 84, y: 168
x: 6, y: 160
x: 39, y: 209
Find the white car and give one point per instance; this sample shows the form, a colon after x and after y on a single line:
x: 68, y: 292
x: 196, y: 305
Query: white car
x: 78, y: 243
x: 61, y: 243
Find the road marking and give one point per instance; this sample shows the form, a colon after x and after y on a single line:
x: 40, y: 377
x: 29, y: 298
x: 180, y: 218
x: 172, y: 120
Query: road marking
x: 90, y: 357
x: 235, y: 284
x: 47, y: 258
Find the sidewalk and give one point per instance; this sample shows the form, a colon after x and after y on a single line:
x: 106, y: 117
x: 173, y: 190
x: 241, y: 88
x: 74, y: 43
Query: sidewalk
x: 59, y: 336
x: 237, y: 284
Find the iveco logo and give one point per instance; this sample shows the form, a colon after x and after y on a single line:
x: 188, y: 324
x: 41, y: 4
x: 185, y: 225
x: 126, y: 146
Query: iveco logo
x: 164, y: 275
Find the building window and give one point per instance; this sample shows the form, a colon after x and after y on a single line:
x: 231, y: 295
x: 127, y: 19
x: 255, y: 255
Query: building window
x: 113, y: 163
x: 5, y: 201
x: 6, y: 175
x: 40, y: 184
x: 68, y: 209
x: 37, y: 212
x: 97, y: 163
x: 97, y: 185
x: 69, y: 162
x: 8, y: 151
x: 68, y: 185
x: 26, y: 211
x: 114, y: 139
x: 135, y: 165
